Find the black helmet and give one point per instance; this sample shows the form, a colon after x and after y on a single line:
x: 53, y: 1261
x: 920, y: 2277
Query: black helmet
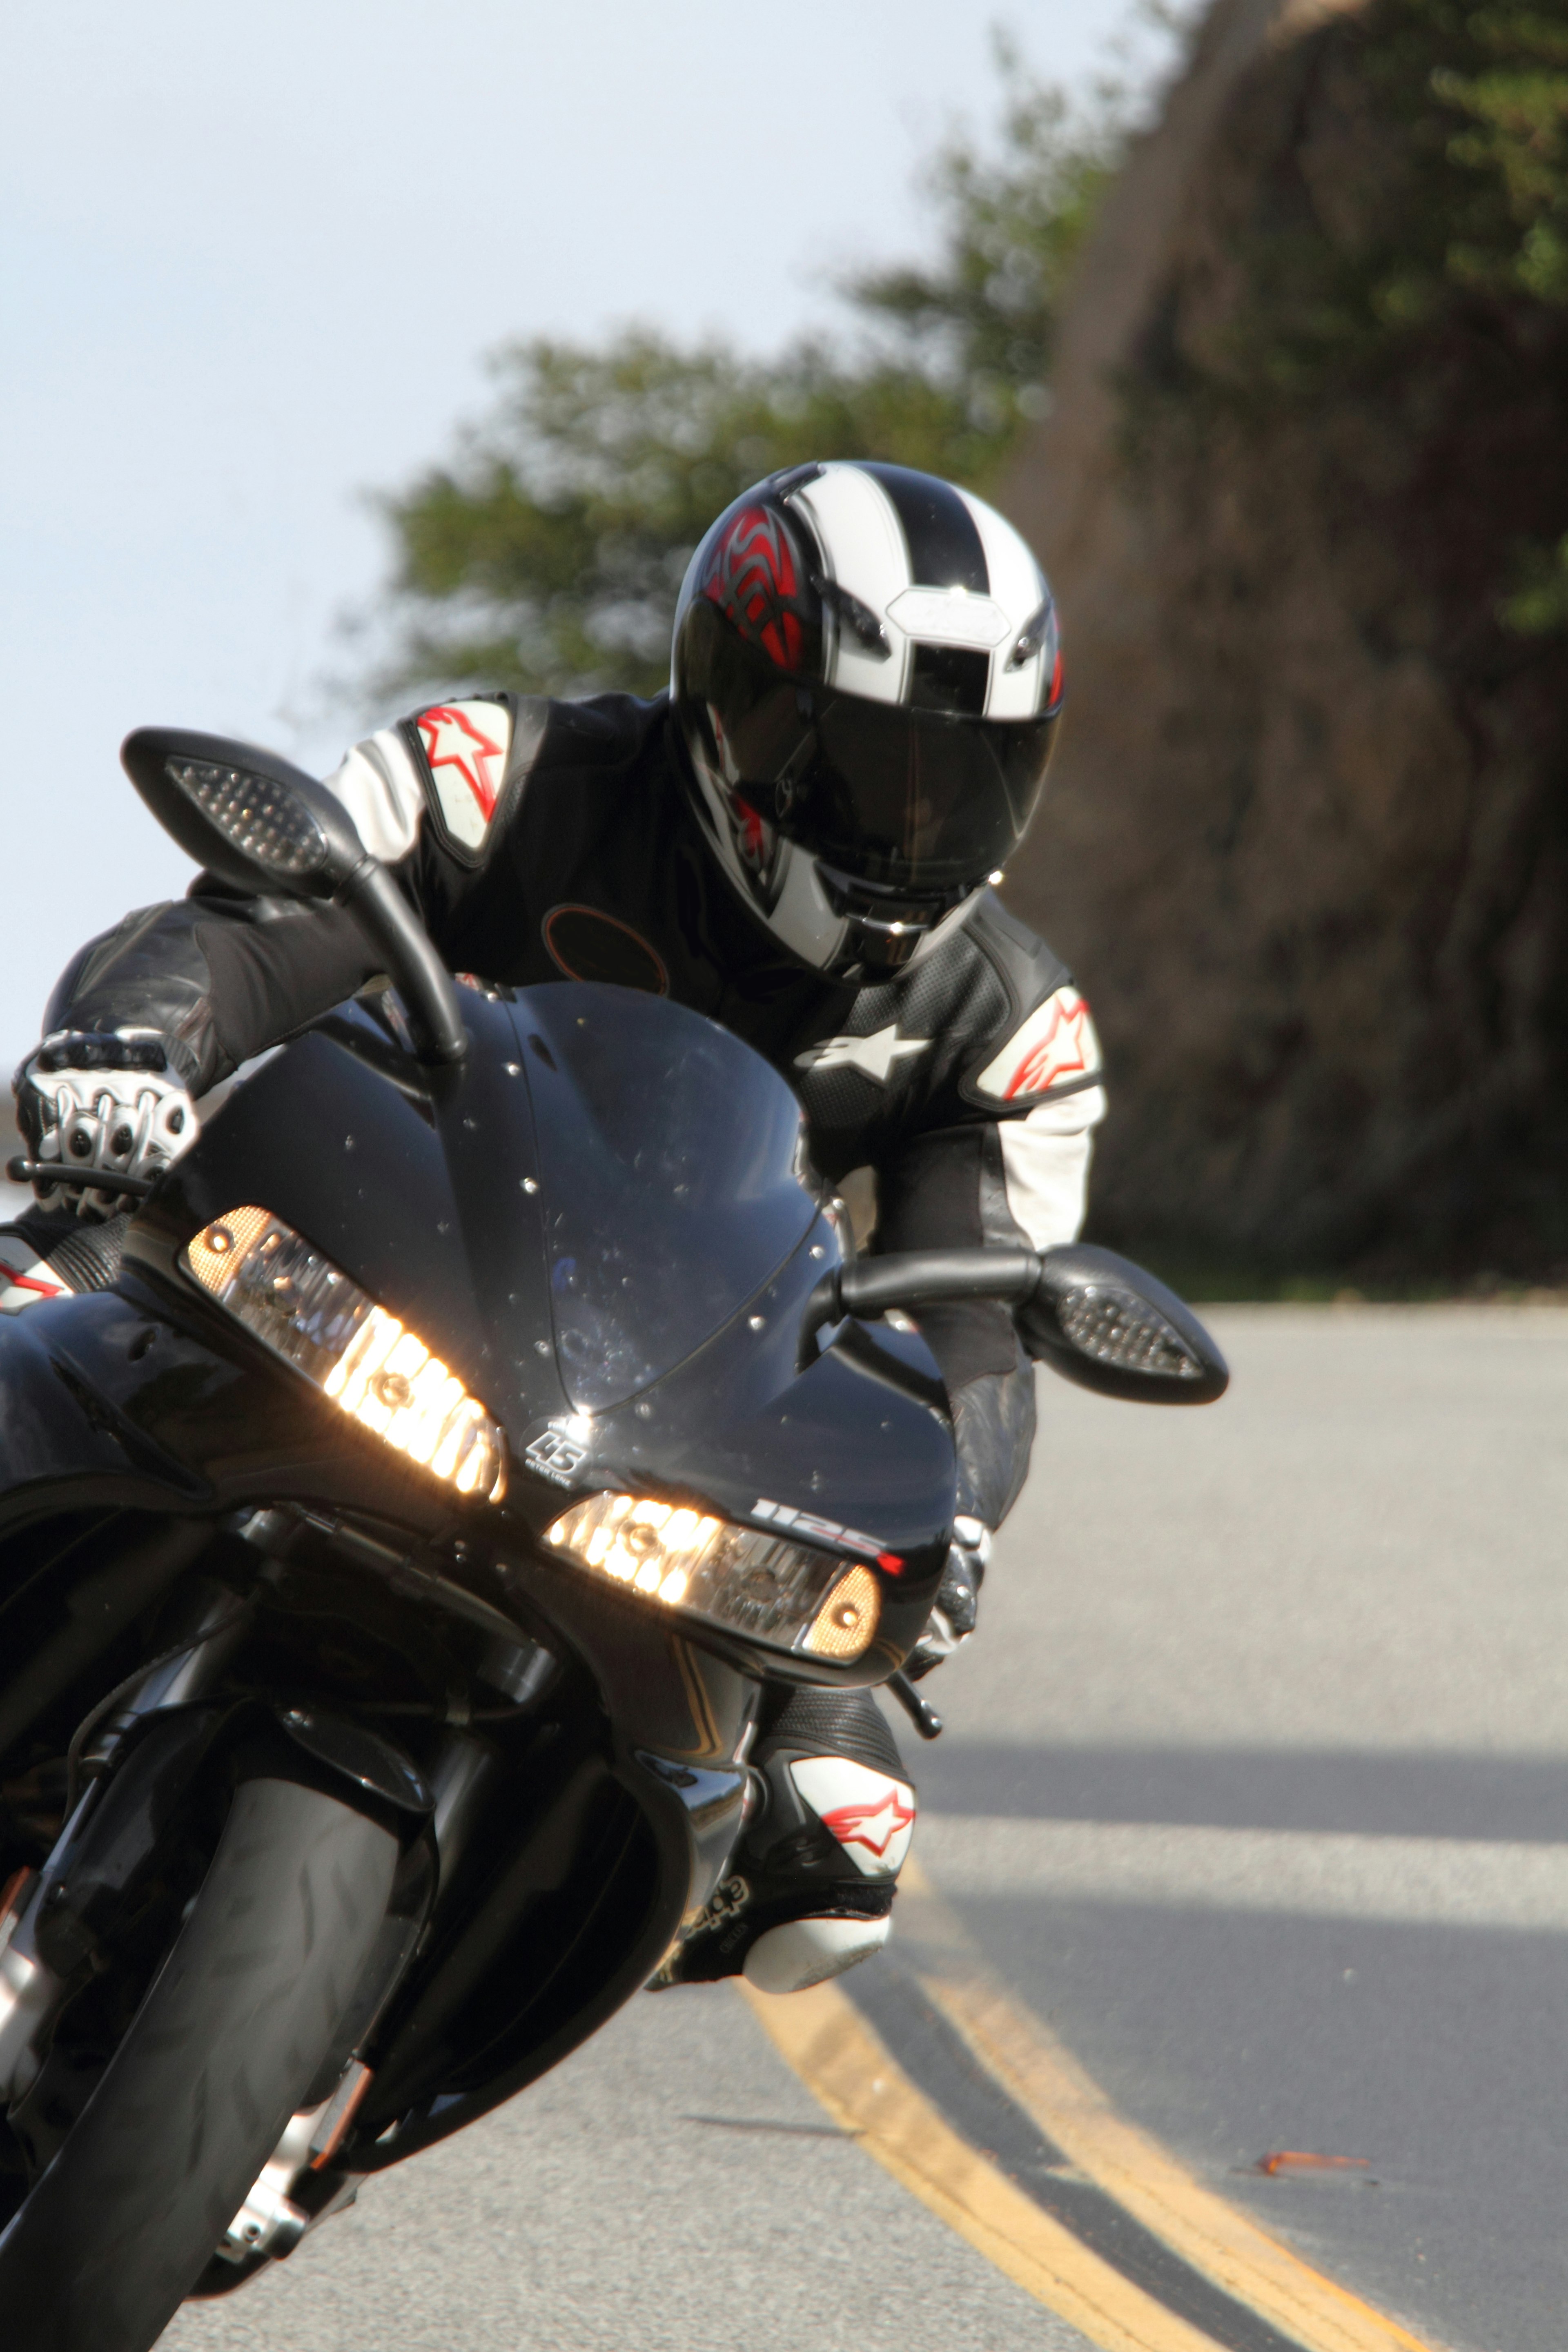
x: 866, y: 676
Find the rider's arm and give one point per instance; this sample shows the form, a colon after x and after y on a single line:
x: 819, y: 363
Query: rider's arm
x: 217, y: 976
x: 214, y: 977
x: 150, y: 1015
x: 1012, y: 1169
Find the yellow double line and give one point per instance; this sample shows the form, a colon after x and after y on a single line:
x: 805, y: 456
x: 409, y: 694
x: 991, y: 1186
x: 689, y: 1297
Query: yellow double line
x: 857, y: 2080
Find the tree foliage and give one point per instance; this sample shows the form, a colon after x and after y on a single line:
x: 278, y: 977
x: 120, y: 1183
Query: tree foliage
x: 1452, y: 203
x: 548, y: 552
x: 1417, y: 258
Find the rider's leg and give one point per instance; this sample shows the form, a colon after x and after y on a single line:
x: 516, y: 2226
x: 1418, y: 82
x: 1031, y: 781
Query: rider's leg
x: 810, y: 1886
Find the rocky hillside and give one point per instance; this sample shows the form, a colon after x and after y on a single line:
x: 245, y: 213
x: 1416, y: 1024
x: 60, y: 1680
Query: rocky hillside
x: 1306, y: 844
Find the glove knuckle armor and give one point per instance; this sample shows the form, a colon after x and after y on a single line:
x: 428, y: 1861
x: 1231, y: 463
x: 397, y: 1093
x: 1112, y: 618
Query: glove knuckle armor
x: 91, y: 1101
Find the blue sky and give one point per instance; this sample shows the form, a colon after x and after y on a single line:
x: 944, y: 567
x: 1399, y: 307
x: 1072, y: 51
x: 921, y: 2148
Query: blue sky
x: 251, y: 262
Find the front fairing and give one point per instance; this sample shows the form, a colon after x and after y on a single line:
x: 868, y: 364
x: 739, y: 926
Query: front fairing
x: 672, y: 1179
x: 431, y: 1189
x: 605, y: 1222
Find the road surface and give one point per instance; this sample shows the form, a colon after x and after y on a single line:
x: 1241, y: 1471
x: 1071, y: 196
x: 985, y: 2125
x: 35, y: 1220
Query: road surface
x: 1254, y: 1792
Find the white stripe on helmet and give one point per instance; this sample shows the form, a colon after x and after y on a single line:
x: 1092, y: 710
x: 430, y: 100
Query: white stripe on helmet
x: 1018, y: 586
x: 862, y: 546
x: 865, y: 551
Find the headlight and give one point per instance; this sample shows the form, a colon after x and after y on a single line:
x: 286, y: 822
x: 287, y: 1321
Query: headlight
x: 749, y: 1582
x: 309, y: 1312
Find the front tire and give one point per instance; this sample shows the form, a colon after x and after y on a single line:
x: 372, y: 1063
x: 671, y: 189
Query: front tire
x: 219, y: 2056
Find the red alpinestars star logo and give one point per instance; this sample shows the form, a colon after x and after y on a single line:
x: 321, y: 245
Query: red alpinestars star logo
x: 859, y: 1824
x: 1059, y: 1053
x: 452, y: 740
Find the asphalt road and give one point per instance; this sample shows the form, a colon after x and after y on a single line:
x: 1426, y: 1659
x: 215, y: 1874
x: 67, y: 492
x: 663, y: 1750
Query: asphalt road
x: 1256, y: 1788
x: 1265, y: 1768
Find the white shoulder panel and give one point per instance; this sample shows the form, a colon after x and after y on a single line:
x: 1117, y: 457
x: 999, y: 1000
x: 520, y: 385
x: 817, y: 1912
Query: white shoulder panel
x: 382, y: 789
x: 1055, y: 1042
x: 1045, y: 1166
x: 466, y: 747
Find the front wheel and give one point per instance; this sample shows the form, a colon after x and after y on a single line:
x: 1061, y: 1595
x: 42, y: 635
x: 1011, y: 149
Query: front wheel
x: 219, y: 2056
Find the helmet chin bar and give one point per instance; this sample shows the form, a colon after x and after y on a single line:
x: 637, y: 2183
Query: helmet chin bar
x: 882, y: 928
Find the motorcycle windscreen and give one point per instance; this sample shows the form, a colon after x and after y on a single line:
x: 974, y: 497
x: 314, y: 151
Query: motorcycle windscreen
x: 673, y: 1174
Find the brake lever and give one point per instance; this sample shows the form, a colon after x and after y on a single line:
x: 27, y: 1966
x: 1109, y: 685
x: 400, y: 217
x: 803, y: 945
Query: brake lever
x: 926, y: 1720
x: 87, y: 1179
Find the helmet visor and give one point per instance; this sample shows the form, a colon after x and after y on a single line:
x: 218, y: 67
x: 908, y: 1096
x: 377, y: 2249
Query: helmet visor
x: 909, y: 799
x: 923, y: 798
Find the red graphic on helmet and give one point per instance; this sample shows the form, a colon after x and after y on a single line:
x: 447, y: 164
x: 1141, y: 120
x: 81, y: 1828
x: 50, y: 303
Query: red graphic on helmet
x: 452, y: 740
x: 751, y: 576
x: 753, y: 837
x: 860, y: 1824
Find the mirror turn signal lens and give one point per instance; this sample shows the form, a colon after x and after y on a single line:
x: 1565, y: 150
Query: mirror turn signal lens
x: 308, y: 1311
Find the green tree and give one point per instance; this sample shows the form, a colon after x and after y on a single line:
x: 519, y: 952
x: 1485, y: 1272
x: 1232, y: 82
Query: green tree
x: 1422, y: 260
x: 548, y: 552
x: 1451, y: 209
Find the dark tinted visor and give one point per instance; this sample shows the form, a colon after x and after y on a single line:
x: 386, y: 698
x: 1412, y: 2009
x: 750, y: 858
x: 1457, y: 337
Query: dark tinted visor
x: 923, y: 798
x: 913, y: 800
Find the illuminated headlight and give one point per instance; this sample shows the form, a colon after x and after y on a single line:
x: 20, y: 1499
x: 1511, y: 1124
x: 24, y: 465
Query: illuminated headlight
x: 372, y: 1366
x: 751, y: 1583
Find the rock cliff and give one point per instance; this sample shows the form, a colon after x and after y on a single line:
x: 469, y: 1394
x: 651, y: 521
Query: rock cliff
x: 1305, y: 842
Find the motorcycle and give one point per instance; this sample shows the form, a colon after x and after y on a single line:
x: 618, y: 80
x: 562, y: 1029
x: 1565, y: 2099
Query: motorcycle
x: 404, y: 1508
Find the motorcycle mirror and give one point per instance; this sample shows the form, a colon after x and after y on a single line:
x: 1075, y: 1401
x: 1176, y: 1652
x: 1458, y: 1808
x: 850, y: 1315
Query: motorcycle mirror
x: 248, y: 817
x: 263, y: 825
x: 1111, y: 1326
x: 1093, y: 1316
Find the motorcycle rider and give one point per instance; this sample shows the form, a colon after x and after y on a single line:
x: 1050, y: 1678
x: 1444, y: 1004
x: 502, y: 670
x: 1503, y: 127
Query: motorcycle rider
x: 800, y: 840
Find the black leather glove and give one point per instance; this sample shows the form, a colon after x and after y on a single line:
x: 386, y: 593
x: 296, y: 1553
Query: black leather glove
x: 957, y: 1604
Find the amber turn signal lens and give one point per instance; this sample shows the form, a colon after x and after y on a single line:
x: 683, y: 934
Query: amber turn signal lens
x: 847, y: 1620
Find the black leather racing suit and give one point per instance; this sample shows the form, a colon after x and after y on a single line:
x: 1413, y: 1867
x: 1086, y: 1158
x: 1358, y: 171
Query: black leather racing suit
x: 967, y: 1082
x: 543, y: 840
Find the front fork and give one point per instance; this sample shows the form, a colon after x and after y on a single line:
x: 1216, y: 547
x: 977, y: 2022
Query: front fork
x: 279, y: 2208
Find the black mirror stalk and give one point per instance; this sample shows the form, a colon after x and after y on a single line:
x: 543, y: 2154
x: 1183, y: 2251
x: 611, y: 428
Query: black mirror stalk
x: 870, y: 1286
x: 1093, y: 1316
x: 429, y: 992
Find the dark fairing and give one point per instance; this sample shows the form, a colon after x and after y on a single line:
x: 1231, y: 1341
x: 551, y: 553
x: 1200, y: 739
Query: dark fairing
x: 604, y: 1171
x: 671, y: 1171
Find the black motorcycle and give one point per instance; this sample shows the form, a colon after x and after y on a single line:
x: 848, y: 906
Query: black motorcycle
x: 397, y: 1528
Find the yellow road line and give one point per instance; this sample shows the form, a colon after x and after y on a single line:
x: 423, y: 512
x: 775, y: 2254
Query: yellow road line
x: 1143, y: 2178
x: 838, y: 2058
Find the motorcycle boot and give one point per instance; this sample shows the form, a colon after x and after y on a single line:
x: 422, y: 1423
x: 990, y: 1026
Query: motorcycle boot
x: 810, y: 1887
